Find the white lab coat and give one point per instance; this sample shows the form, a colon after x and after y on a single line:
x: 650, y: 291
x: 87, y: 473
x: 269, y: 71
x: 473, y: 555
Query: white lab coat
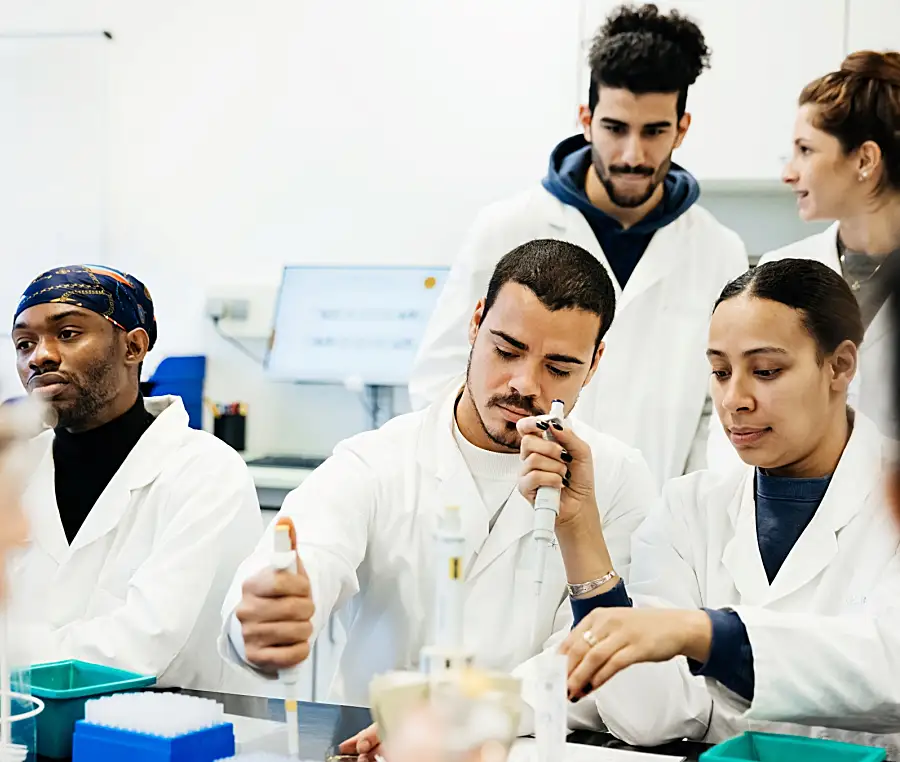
x: 825, y: 634
x: 652, y: 381
x: 141, y: 586
x: 365, y: 521
x: 870, y: 392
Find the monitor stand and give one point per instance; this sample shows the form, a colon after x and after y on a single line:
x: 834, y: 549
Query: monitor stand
x: 381, y: 400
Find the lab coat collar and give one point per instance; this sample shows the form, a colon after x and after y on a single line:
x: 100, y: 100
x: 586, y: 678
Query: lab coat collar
x: 440, y: 456
x: 857, y: 474
x: 143, y: 464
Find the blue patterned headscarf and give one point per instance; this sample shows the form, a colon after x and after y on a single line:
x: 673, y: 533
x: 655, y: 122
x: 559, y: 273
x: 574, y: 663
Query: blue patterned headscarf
x: 121, y: 298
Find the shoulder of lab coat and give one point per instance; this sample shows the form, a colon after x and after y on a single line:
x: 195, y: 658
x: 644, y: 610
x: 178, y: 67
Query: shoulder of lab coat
x: 821, y: 247
x: 840, y: 671
x: 649, y: 704
x: 209, y: 519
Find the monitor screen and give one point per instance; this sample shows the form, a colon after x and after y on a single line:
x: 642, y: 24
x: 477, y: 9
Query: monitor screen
x: 349, y: 324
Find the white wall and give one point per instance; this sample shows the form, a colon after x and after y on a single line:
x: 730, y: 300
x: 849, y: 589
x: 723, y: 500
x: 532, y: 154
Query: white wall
x: 246, y: 136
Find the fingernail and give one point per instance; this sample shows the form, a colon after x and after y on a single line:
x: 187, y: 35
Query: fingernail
x: 565, y: 482
x: 542, y: 425
x: 573, y: 699
x: 568, y: 475
x: 363, y: 747
x: 557, y: 426
x: 566, y: 457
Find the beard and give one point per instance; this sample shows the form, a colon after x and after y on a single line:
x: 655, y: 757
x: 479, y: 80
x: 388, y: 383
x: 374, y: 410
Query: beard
x: 607, y: 175
x: 94, y: 390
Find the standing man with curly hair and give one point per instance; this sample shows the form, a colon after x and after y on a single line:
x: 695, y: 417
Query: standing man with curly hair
x: 615, y: 191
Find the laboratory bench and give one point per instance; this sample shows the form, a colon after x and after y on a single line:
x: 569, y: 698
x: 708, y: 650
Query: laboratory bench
x: 276, y: 475
x: 259, y: 726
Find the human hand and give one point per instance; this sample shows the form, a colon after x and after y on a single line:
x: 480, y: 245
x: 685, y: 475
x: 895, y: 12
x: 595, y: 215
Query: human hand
x: 275, y: 613
x: 564, y: 462
x: 620, y: 637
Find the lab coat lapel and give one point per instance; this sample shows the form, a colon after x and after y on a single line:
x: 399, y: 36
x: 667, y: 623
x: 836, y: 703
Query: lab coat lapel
x: 741, y: 557
x: 515, y: 521
x: 854, y: 478
x: 441, y: 457
x: 39, y: 499
x: 663, y: 254
x: 141, y: 467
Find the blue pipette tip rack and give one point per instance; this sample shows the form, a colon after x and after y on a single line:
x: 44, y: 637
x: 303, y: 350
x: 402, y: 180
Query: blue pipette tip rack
x: 98, y: 743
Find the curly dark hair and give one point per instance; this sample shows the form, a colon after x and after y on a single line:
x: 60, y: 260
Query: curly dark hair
x: 641, y: 50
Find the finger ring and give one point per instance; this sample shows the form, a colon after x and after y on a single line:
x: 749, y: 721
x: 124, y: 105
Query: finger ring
x: 590, y: 638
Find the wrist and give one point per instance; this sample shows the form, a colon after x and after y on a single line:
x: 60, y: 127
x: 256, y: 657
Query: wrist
x: 578, y: 524
x: 696, y: 630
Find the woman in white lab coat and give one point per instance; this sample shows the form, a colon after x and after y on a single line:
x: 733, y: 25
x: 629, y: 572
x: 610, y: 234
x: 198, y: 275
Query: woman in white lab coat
x: 846, y: 167
x: 780, y: 581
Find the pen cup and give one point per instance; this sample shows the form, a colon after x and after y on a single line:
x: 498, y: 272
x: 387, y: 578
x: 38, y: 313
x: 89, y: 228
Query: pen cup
x: 231, y: 426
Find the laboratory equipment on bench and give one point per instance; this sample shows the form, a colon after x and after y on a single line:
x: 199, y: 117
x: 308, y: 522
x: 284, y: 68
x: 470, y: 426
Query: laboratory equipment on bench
x: 754, y: 746
x: 355, y: 326
x: 476, y: 706
x: 65, y: 687
x: 153, y: 727
x: 284, y: 558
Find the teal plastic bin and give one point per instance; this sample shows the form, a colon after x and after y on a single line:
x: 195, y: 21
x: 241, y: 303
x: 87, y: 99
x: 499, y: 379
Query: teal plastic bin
x: 769, y: 747
x: 65, y: 686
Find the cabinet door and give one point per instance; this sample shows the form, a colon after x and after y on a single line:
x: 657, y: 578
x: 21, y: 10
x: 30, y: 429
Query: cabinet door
x: 873, y: 25
x: 743, y: 107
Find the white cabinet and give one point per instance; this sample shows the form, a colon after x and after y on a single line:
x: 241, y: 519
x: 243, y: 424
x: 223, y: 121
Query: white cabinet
x: 873, y: 25
x: 743, y: 107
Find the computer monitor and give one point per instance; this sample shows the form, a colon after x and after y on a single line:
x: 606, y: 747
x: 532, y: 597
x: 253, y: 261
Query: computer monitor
x: 350, y: 324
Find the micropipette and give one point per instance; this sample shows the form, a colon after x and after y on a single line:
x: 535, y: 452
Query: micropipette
x: 546, y: 509
x: 284, y: 558
x: 448, y: 651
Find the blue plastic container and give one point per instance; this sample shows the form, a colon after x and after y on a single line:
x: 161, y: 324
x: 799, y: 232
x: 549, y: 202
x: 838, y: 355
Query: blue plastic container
x: 95, y: 743
x: 770, y: 747
x: 65, y: 686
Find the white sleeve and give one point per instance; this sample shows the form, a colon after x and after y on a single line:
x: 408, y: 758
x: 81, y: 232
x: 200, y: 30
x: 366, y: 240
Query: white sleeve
x: 213, y: 522
x: 625, y: 509
x: 332, y: 512
x: 650, y: 704
x: 441, y: 358
x: 838, y: 671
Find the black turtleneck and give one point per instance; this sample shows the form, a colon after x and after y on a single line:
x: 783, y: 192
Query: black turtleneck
x: 86, y: 462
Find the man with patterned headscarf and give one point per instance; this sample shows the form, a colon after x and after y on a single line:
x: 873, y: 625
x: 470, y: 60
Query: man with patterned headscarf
x: 138, y: 522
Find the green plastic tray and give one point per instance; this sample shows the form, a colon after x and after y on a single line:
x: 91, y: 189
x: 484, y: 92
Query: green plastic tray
x: 769, y: 747
x: 65, y: 686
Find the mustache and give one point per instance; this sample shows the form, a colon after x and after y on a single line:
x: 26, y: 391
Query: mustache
x: 516, y: 401
x: 626, y: 170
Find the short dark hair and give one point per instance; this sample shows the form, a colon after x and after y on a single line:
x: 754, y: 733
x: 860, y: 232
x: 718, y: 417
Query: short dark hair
x: 643, y: 51
x: 828, y: 307
x: 560, y: 274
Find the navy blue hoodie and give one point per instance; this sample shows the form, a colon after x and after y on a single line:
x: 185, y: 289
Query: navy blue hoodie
x: 569, y: 164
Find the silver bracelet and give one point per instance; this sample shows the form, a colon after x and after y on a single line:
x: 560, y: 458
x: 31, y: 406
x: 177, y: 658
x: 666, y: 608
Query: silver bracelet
x: 588, y: 587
